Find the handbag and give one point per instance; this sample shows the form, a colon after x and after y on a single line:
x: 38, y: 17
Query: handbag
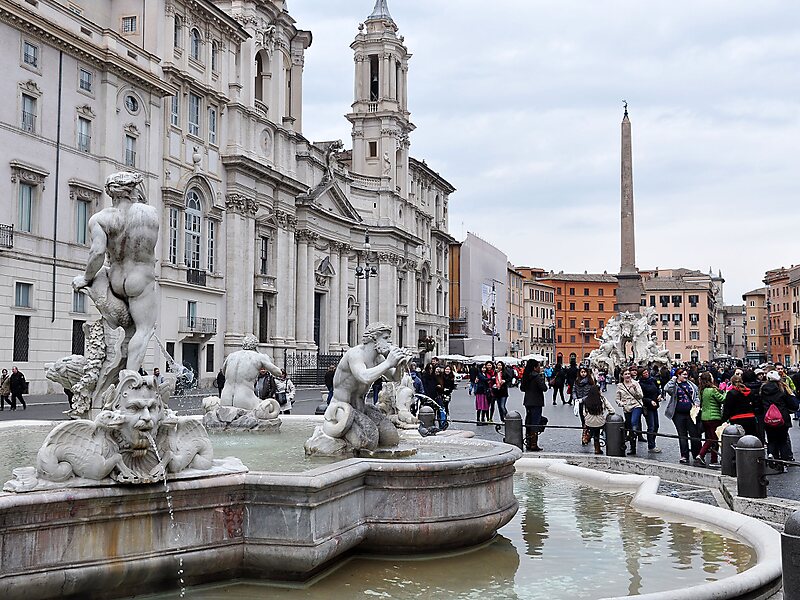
x: 773, y: 418
x: 281, y: 398
x: 672, y: 402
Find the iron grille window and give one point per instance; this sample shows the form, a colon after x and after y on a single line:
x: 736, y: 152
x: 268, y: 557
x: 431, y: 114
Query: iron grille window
x: 174, y: 111
x: 173, y: 235
x: 212, y: 229
x: 78, y: 302
x: 264, y: 256
x: 209, y: 358
x: 23, y: 293
x: 25, y: 210
x: 85, y: 80
x: 22, y: 327
x: 194, y: 114
x: 84, y: 135
x: 130, y: 151
x: 81, y: 222
x: 78, y: 339
x: 129, y: 24
x: 30, y: 55
x: 28, y: 113
x: 263, y: 323
x: 212, y: 125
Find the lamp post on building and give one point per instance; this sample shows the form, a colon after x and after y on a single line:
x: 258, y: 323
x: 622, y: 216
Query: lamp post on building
x: 584, y: 333
x: 366, y: 273
x: 494, y: 333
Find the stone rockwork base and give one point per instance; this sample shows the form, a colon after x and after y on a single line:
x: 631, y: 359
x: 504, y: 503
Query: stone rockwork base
x: 117, y: 542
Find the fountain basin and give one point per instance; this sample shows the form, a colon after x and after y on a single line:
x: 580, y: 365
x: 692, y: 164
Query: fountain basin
x: 114, y: 542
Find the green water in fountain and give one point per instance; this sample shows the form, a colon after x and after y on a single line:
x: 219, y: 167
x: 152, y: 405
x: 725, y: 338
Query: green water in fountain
x: 567, y: 541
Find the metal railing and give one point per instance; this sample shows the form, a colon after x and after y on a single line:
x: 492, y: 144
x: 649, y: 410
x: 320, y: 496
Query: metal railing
x: 28, y: 121
x: 196, y: 276
x: 197, y: 325
x: 6, y: 236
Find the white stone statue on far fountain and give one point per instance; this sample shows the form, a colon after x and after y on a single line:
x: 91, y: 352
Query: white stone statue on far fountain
x: 125, y: 234
x: 241, y: 372
x: 350, y: 423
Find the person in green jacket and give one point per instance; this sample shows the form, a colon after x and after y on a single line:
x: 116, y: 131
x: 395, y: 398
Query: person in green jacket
x: 711, y: 399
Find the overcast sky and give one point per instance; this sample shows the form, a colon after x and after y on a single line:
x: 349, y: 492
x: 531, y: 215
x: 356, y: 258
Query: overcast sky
x: 518, y: 104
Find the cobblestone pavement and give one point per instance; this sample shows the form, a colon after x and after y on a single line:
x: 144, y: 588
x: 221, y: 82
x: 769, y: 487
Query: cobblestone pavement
x: 462, y: 407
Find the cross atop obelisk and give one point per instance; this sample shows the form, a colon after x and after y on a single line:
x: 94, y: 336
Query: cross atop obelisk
x: 629, y: 293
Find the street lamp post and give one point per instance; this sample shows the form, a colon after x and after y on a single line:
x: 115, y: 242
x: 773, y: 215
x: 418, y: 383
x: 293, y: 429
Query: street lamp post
x: 553, y: 340
x: 366, y: 273
x: 769, y: 330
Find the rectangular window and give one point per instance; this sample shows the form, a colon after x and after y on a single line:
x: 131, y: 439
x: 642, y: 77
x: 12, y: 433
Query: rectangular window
x: 30, y: 54
x: 25, y: 208
x: 194, y: 114
x: 212, y: 230
x: 209, y: 358
x: 677, y: 356
x: 212, y: 124
x: 693, y: 300
x: 130, y: 151
x: 572, y: 306
x: 558, y: 305
x: 85, y: 80
x: 373, y: 149
x: 23, y: 295
x: 601, y: 292
x: 84, y: 134
x: 174, y: 111
x: 560, y: 324
x: 601, y: 307
x: 752, y: 332
x: 571, y: 291
x: 78, y: 302
x: 81, y: 222
x: 129, y: 24
x: 191, y: 313
x: 78, y: 339
x: 585, y: 306
x: 28, y: 113
x: 664, y: 300
x: 559, y: 339
x: 263, y: 322
x: 264, y: 259
x: 572, y: 323
x: 677, y: 336
x: 601, y: 323
x: 665, y: 335
x: 585, y: 291
x: 171, y: 349
x: 572, y: 339
x: 652, y: 300
x: 558, y: 291
x: 22, y: 328
x: 752, y: 317
x: 676, y: 301
x: 173, y: 235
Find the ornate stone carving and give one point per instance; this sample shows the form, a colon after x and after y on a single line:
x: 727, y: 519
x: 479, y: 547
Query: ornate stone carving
x: 395, y: 399
x: 285, y: 220
x: 240, y: 204
x: 27, y: 173
x: 131, y: 129
x: 86, y: 111
x: 351, y: 425
x: 306, y: 235
x: 31, y: 87
x: 331, y: 153
x: 357, y: 134
x: 629, y: 328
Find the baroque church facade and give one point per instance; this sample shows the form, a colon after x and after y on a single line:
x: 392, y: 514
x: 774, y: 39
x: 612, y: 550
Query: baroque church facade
x: 262, y: 230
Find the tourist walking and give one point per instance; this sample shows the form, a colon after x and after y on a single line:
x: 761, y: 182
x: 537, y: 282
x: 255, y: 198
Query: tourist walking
x: 571, y: 377
x: 557, y: 382
x: 449, y: 385
x: 595, y: 409
x: 329, y: 373
x: 629, y: 398
x: 711, y: 399
x: 482, y: 391
x: 739, y: 407
x: 502, y: 378
x: 5, y: 388
x: 683, y: 397
x: 265, y: 385
x: 19, y: 386
x: 533, y: 386
x: 580, y: 390
x: 651, y: 391
x: 284, y: 393
x: 779, y: 404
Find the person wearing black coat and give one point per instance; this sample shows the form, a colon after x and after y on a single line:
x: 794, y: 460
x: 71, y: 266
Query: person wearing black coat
x: 429, y: 382
x: 534, y: 386
x: 329, y: 381
x: 220, y: 382
x: 18, y: 388
x: 559, y: 378
x: 572, y: 375
x: 651, y: 392
x: 773, y: 392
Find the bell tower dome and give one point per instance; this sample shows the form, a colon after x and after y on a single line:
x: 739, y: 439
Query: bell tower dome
x: 379, y: 115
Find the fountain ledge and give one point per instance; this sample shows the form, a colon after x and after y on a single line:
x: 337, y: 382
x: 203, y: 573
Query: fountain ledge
x: 118, y: 541
x: 762, y: 580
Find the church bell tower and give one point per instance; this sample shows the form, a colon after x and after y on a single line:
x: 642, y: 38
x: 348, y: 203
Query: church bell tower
x: 379, y: 115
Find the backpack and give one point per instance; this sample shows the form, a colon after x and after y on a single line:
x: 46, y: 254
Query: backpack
x: 773, y: 418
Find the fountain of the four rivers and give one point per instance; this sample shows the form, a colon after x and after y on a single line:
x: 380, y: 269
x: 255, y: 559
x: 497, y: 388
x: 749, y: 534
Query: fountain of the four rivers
x: 131, y: 499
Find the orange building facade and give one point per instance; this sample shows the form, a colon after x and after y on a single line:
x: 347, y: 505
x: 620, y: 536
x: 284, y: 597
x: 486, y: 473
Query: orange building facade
x: 584, y: 304
x: 779, y: 304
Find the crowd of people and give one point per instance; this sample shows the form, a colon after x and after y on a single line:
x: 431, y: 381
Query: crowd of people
x: 13, y: 388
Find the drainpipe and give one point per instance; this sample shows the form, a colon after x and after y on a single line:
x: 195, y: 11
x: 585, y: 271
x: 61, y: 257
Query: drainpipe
x: 56, y: 182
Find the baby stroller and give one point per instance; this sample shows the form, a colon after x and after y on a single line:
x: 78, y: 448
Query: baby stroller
x: 440, y: 420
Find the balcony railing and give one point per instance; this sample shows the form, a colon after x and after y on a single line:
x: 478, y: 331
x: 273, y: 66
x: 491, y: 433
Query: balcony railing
x: 6, y: 236
x: 199, y: 325
x: 28, y: 121
x: 196, y: 276
x: 372, y: 107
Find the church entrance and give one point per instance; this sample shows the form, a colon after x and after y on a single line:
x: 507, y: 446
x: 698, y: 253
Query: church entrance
x: 318, y: 305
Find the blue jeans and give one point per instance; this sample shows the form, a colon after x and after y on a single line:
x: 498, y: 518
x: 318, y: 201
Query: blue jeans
x: 651, y: 416
x: 330, y: 396
x: 633, y: 422
x: 501, y: 407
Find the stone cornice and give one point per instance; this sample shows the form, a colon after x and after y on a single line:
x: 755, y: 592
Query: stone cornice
x: 250, y: 166
x: 27, y: 173
x: 30, y: 22
x: 80, y: 190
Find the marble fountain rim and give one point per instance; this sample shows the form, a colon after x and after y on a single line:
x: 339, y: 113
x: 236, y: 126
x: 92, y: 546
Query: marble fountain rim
x: 762, y: 580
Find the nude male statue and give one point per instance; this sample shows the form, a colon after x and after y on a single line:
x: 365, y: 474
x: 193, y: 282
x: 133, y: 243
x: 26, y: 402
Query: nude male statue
x: 126, y: 233
x: 241, y: 371
x: 353, y: 378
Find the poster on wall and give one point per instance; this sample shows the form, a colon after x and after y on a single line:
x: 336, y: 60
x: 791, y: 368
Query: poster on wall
x: 487, y: 318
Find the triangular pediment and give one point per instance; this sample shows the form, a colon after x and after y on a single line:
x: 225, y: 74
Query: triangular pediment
x: 329, y: 198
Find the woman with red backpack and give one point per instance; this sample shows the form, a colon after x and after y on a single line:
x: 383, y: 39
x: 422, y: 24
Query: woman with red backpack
x: 779, y: 404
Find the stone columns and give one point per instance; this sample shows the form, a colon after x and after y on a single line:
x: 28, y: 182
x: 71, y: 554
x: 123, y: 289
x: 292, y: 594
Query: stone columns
x: 411, y: 300
x: 334, y: 310
x: 301, y: 314
x: 392, y: 78
x: 344, y: 274
x: 285, y: 281
x: 385, y: 93
x: 630, y: 289
x: 239, y: 242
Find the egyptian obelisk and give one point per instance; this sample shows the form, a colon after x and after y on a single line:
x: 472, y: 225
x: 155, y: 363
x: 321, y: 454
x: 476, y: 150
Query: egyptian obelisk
x: 629, y: 293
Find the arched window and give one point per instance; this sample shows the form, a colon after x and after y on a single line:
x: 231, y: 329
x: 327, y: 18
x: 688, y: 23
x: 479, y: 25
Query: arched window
x: 192, y: 217
x: 214, y: 56
x: 195, y: 44
x: 176, y: 31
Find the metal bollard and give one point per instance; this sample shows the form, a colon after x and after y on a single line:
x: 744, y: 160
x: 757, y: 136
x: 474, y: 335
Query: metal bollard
x: 615, y: 435
x: 730, y: 436
x: 790, y: 551
x: 750, y: 479
x: 514, y: 429
x: 321, y: 408
x: 426, y: 417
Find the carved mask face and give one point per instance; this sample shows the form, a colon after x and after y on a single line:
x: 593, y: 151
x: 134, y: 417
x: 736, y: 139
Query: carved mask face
x: 143, y: 412
x: 383, y: 344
